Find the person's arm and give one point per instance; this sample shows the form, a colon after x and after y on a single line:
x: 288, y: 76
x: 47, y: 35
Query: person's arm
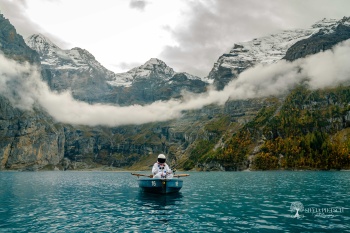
x: 168, y: 169
x: 155, y: 169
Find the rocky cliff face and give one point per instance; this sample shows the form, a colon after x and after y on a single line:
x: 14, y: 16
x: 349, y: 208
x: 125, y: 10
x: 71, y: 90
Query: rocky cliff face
x: 12, y: 44
x: 324, y: 39
x: 122, y: 146
x: 29, y: 139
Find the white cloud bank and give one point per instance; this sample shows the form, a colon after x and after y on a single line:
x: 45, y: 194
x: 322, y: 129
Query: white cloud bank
x: 22, y: 85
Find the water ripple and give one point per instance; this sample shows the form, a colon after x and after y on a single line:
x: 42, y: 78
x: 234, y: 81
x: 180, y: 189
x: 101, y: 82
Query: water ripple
x: 208, y: 202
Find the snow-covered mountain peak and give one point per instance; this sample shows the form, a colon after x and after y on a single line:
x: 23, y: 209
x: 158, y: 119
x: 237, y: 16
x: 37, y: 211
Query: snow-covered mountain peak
x: 327, y: 26
x: 38, y: 37
x: 75, y: 69
x: 40, y: 43
x: 154, y: 65
x: 154, y: 61
x: 331, y: 23
x: 324, y: 23
x: 345, y: 21
x: 153, y: 68
x: 267, y: 49
x: 84, y: 54
x: 52, y: 56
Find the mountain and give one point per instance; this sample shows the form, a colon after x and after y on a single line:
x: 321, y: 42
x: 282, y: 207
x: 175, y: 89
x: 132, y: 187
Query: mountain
x: 75, y: 69
x: 305, y: 129
x: 287, y: 44
x: 32, y: 140
x: 51, y: 56
x: 28, y: 139
x: 154, y: 68
x: 326, y: 37
x: 309, y: 129
x: 78, y: 71
x: 154, y: 81
x: 12, y: 44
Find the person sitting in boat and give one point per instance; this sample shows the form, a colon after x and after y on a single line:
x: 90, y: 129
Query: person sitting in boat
x: 161, y: 169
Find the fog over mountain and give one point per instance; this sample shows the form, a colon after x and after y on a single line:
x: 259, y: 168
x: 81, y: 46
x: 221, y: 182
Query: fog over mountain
x: 62, y: 109
x: 22, y: 85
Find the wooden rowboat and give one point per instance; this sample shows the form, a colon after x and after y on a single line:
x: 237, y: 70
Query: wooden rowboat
x: 156, y: 185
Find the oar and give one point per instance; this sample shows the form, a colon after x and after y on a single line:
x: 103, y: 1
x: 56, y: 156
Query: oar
x: 150, y: 176
x: 138, y: 175
x: 181, y: 175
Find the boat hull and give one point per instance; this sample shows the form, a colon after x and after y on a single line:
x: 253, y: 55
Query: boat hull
x: 154, y: 185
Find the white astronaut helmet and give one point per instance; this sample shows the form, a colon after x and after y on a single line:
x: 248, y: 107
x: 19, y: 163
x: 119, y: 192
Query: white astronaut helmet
x: 161, y: 158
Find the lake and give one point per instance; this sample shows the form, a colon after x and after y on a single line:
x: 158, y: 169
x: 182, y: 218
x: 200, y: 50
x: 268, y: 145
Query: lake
x: 272, y: 201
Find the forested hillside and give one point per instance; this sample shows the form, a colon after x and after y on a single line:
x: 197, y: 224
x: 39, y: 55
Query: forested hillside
x: 308, y: 130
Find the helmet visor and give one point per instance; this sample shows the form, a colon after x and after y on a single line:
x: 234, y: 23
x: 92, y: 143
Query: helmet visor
x: 160, y: 160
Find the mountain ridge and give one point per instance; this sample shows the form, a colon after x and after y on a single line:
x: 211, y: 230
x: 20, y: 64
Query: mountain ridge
x: 54, y: 57
x: 12, y: 44
x: 266, y: 50
x: 234, y: 136
x: 77, y: 70
x: 323, y: 40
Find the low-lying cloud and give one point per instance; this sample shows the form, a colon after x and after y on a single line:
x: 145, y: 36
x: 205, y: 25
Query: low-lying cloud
x: 325, y: 69
x: 22, y: 85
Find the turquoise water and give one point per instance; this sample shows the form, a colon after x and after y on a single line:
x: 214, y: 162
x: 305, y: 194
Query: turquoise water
x: 208, y: 202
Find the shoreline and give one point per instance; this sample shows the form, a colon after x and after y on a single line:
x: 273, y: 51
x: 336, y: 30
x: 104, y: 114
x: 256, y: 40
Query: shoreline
x: 108, y: 169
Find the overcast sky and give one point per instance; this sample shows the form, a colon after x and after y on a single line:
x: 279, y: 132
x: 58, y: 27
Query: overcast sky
x: 188, y: 35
